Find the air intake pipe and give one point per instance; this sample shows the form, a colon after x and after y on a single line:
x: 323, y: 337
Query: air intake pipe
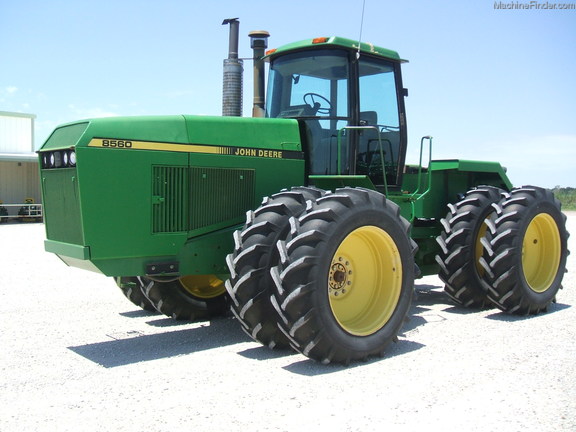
x: 233, y: 69
x: 258, y: 43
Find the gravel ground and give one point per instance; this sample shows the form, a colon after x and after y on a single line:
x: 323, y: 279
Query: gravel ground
x: 77, y: 356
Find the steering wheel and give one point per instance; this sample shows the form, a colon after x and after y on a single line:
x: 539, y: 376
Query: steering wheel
x: 310, y: 99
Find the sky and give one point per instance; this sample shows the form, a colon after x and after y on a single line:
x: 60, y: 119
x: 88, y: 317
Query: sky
x: 487, y: 83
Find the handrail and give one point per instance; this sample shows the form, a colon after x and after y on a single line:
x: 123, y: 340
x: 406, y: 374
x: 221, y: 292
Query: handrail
x: 33, y: 211
x: 429, y: 138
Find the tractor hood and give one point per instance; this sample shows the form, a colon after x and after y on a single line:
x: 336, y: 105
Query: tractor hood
x: 121, y: 193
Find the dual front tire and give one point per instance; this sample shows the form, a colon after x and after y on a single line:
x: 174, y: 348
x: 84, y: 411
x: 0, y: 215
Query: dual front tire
x: 192, y: 297
x: 255, y: 253
x: 341, y: 271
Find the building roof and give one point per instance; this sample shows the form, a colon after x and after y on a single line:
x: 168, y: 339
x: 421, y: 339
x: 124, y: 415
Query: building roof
x: 17, y: 114
x: 18, y: 157
x: 17, y: 137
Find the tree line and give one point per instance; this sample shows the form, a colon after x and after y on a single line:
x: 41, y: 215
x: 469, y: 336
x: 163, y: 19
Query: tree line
x: 567, y: 196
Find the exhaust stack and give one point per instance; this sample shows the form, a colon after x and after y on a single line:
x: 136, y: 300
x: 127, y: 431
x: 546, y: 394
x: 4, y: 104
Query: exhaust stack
x: 233, y: 69
x: 258, y: 43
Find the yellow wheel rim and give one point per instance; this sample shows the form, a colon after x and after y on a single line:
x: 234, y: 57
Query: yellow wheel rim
x: 203, y: 286
x: 541, y: 250
x: 479, y: 249
x: 365, y: 281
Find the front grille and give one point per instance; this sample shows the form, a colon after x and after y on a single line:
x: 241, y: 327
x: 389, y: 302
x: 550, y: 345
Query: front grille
x: 192, y: 198
x: 219, y: 195
x: 62, y: 206
x: 170, y: 199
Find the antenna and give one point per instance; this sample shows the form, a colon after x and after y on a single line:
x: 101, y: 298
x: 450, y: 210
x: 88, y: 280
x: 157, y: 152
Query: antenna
x: 361, y: 25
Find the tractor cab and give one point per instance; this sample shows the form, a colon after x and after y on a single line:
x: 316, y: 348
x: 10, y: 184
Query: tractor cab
x: 349, y: 103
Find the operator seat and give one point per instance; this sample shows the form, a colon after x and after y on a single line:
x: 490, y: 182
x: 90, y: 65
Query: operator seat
x: 365, y: 150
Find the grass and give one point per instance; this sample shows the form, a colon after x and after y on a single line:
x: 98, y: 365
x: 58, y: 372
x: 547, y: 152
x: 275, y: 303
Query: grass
x: 567, y: 196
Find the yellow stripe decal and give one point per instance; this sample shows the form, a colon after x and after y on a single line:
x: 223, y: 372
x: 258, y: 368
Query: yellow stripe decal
x: 194, y: 148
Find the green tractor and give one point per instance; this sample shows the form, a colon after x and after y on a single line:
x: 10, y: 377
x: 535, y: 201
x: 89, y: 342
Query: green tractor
x: 305, y: 221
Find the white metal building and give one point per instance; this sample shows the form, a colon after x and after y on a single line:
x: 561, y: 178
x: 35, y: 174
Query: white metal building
x: 19, y: 177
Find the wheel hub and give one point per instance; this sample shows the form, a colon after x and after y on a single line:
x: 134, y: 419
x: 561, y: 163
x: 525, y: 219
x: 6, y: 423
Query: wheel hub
x: 340, y: 277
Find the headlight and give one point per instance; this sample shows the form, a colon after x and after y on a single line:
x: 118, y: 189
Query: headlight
x: 59, y: 159
x: 72, y: 158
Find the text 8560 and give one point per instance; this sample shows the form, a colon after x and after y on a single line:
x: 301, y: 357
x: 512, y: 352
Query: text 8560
x: 116, y: 143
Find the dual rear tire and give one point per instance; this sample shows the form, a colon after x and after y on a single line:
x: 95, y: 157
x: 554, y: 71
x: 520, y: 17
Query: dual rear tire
x: 461, y: 247
x: 525, y: 251
x: 504, y: 249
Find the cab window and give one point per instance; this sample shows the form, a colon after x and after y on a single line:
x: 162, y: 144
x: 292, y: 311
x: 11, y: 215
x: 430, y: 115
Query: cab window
x: 378, y: 146
x: 313, y: 87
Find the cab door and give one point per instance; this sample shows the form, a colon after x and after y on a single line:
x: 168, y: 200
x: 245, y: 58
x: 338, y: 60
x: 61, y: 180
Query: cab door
x: 380, y: 150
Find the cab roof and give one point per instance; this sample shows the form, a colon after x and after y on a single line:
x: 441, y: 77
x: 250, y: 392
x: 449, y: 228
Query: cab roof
x: 336, y: 42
